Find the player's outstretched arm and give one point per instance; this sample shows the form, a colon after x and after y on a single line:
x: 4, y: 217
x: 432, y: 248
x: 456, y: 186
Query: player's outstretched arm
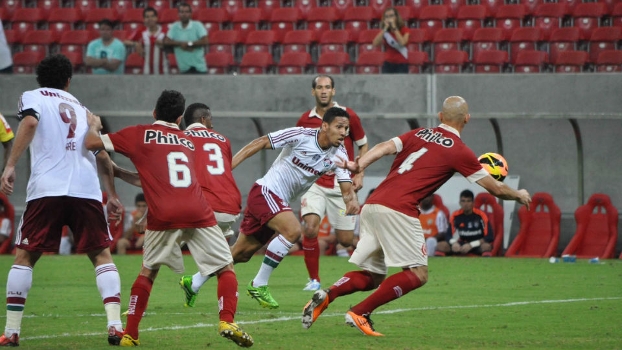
x: 378, y: 151
x: 249, y: 150
x: 131, y: 177
x: 106, y: 172
x: 349, y: 197
x: 503, y: 191
x: 25, y: 134
x: 92, y: 140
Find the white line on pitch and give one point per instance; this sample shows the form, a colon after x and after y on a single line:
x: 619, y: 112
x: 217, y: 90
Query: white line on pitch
x: 297, y: 317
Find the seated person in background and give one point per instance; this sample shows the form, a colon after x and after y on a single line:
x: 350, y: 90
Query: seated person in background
x: 434, y: 224
x: 6, y: 137
x: 6, y: 222
x: 472, y: 232
x: 106, y: 55
x: 134, y: 237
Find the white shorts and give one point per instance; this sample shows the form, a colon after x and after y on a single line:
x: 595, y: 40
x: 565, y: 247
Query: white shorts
x: 389, y: 238
x: 207, y: 246
x: 225, y: 221
x: 321, y: 200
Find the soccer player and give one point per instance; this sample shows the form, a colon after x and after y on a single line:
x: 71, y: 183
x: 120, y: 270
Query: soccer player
x: 63, y: 189
x: 149, y: 43
x: 6, y: 137
x: 391, y: 233
x: 324, y: 197
x: 307, y: 154
x: 164, y: 158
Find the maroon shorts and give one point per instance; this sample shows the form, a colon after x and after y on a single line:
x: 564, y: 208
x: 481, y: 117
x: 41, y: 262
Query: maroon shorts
x: 43, y: 220
x: 261, y: 206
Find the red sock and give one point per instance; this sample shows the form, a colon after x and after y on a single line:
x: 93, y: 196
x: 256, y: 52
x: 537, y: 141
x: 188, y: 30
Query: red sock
x: 227, y: 295
x: 353, y: 281
x: 390, y: 289
x: 139, y: 296
x: 311, y: 248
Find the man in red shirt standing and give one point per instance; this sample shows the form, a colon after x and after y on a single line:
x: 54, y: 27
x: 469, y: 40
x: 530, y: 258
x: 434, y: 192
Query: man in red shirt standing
x: 324, y: 197
x: 391, y: 233
x: 148, y: 42
x: 164, y: 157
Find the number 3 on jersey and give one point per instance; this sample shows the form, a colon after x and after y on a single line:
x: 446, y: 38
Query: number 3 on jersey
x: 215, y: 155
x: 407, y: 164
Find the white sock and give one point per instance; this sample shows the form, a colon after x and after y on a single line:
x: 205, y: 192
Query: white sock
x: 18, y: 284
x: 109, y: 285
x: 198, y: 281
x: 277, y: 249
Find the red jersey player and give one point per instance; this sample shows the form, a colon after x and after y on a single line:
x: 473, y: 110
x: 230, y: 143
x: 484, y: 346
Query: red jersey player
x: 324, y: 197
x: 391, y: 233
x: 164, y: 158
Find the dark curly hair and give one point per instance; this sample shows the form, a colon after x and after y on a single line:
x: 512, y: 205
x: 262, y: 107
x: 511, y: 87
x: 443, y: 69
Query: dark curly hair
x: 170, y: 106
x: 54, y: 71
x: 334, y: 112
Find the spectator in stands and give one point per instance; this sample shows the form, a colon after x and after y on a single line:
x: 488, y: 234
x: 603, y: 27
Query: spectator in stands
x: 149, y: 43
x: 6, y: 62
x: 134, y: 236
x: 6, y: 222
x: 394, y: 35
x: 434, y: 224
x: 6, y: 137
x: 188, y: 39
x: 106, y: 55
x: 472, y: 232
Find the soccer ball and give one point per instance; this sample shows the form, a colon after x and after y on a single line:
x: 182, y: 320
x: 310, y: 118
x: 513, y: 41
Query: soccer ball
x: 495, y: 165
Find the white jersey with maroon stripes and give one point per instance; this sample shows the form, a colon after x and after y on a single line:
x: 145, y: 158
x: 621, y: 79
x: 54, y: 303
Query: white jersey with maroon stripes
x: 60, y: 165
x: 301, y: 162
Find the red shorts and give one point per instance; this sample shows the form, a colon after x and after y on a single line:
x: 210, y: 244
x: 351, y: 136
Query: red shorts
x: 261, y: 206
x: 43, y: 220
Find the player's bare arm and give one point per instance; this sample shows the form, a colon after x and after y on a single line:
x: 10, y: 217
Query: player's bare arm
x: 348, y: 194
x: 92, y: 140
x: 249, y: 150
x: 357, y: 179
x: 7, y: 151
x: 106, y: 172
x: 131, y: 177
x: 25, y: 134
x: 503, y: 191
x: 378, y: 151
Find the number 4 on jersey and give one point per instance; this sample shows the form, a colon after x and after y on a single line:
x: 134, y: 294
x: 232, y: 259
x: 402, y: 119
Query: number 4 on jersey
x: 407, y: 164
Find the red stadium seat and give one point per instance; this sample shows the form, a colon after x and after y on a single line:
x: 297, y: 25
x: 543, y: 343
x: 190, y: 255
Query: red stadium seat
x: 470, y: 18
x: 219, y: 62
x: 448, y: 39
x: 570, y: 4
x: 364, y: 41
x: 433, y: 18
x: 357, y: 19
x: 548, y: 17
x: 268, y: 6
x: 321, y: 19
x: 224, y: 41
x: 25, y: 19
x: 172, y: 64
x: 603, y: 38
x: 64, y: 19
x: 13, y: 37
x: 333, y: 63
x: 369, y: 63
x: 167, y: 16
x: 260, y: 41
x: 122, y: 6
x: 609, y: 61
x: 247, y: 19
x: 212, y: 18
x: 538, y: 235
x: 563, y: 39
x: 231, y: 6
x: 378, y: 6
x: 39, y: 40
x: 597, y: 229
x: 450, y: 61
x: 48, y: 5
x: 159, y: 5
x: 25, y: 62
x: 490, y: 205
x: 525, y: 38
x: 4, y: 15
x: 416, y: 6
x: 610, y: 4
x: 121, y: 34
x: 134, y: 64
x: 616, y: 15
x: 570, y: 61
x: 74, y: 41
x: 256, y: 63
x: 416, y: 60
x: 294, y: 62
x: 76, y: 59
x: 490, y: 61
x: 342, y: 6
x: 298, y: 41
x: 334, y: 41
x: 417, y: 39
x: 132, y: 19
x: 196, y: 4
x: 406, y: 12
x: 492, y: 5
x: 454, y: 5
x: 587, y: 17
x: 486, y: 39
x: 284, y: 20
x: 305, y: 6
x: 10, y: 6
x: 9, y: 213
x: 85, y: 5
x: 510, y: 17
x: 531, y: 5
x: 93, y: 16
x: 530, y: 61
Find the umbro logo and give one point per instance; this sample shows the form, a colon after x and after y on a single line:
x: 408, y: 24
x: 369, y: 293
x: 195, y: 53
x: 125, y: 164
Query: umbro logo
x: 25, y: 241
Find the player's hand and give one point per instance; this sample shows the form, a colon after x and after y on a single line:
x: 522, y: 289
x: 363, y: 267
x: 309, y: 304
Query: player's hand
x: 357, y: 182
x: 353, y: 166
x: 465, y: 248
x: 353, y: 207
x: 115, y: 210
x: 93, y: 120
x: 524, y: 198
x: 7, y: 180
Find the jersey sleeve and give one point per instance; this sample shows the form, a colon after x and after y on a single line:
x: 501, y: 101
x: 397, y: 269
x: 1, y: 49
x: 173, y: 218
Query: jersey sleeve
x: 122, y: 140
x: 286, y: 137
x: 201, y: 31
x: 341, y: 174
x: 28, y: 105
x: 468, y: 165
x: 356, y: 129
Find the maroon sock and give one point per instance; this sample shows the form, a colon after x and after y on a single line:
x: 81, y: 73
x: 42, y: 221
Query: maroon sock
x: 227, y: 295
x: 139, y: 296
x: 353, y: 281
x: 311, y: 248
x: 390, y: 289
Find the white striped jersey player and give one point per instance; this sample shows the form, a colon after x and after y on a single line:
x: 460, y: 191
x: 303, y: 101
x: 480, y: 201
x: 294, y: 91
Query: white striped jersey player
x: 301, y: 162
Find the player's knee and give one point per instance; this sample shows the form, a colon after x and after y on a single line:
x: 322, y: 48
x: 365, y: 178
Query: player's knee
x: 421, y: 272
x: 345, y: 238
